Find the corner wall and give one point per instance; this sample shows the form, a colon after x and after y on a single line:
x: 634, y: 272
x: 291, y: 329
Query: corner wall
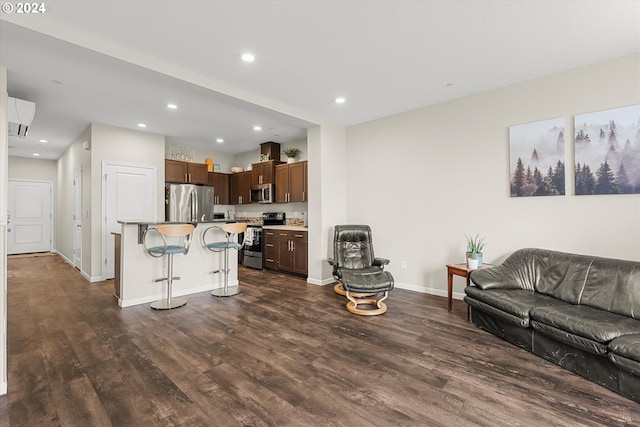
x: 4, y: 185
x: 422, y: 179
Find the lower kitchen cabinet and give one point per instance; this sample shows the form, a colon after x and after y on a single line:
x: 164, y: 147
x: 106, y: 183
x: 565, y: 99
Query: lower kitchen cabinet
x: 286, y: 250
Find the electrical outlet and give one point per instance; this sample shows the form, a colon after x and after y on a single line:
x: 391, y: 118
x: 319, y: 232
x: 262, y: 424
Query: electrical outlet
x: 403, y: 264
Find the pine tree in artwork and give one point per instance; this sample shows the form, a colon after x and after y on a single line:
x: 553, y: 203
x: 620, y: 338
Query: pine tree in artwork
x: 579, y: 180
x: 622, y: 180
x: 605, y: 181
x: 538, y: 180
x: 534, y: 157
x: 589, y: 180
x: 529, y: 185
x: 613, y: 135
x: 518, y: 181
x: 558, y: 177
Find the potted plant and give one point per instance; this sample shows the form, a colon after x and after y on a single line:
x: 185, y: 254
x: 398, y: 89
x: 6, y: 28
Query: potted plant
x: 291, y: 153
x: 475, y: 245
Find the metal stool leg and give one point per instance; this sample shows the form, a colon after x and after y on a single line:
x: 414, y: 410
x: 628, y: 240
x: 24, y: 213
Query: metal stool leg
x: 226, y: 291
x: 170, y: 302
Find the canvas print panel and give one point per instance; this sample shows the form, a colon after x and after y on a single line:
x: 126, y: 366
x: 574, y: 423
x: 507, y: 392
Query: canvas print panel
x: 607, y: 151
x: 536, y: 153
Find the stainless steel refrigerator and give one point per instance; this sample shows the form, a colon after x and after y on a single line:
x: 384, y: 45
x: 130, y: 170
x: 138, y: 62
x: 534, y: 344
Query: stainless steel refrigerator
x: 188, y: 203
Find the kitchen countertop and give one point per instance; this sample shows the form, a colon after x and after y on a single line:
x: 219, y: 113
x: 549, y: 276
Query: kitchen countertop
x: 143, y: 222
x: 285, y: 227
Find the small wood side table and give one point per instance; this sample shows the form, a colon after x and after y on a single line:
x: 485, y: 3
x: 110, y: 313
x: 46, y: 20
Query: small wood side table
x: 463, y: 271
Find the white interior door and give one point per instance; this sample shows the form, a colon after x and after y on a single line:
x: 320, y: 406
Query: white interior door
x: 77, y: 219
x: 29, y: 217
x: 129, y: 195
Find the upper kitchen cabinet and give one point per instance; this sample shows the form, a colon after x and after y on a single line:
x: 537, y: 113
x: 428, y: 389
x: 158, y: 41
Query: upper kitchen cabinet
x: 240, y: 188
x: 185, y: 172
x: 220, y: 183
x: 291, y: 182
x: 262, y: 173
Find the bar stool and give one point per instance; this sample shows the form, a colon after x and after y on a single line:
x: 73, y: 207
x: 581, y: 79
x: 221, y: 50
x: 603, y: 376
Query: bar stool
x: 230, y: 230
x: 180, y: 234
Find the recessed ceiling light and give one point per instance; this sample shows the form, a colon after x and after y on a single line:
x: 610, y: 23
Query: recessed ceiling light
x: 44, y: 141
x: 219, y: 140
x: 248, y: 57
x: 340, y: 100
x: 172, y: 106
x: 36, y: 154
x: 142, y: 125
x: 257, y: 128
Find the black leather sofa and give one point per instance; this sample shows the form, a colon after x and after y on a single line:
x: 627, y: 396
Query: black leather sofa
x: 580, y: 312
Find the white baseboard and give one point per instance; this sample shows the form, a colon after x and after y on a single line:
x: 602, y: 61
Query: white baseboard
x: 183, y: 292
x: 3, y: 388
x: 322, y: 282
x: 426, y: 290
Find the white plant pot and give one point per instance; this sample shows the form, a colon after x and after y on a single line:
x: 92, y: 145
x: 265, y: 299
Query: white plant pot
x: 291, y: 159
x: 472, y: 264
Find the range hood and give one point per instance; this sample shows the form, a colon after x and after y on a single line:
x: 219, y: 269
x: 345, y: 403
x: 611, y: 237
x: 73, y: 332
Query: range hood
x: 20, y: 114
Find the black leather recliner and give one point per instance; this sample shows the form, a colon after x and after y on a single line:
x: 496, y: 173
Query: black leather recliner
x: 359, y: 273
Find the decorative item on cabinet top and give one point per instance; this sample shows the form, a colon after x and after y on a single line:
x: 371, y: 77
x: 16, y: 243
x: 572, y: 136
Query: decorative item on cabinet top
x: 291, y: 153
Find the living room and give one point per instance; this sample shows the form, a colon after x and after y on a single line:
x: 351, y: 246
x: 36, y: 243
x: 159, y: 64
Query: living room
x: 444, y: 169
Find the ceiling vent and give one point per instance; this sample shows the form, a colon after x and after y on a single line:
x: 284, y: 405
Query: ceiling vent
x: 20, y: 114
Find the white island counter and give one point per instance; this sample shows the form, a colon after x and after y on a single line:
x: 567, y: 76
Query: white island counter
x: 138, y: 271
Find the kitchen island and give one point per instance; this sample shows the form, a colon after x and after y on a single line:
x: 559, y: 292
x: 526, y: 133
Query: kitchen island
x: 138, y: 270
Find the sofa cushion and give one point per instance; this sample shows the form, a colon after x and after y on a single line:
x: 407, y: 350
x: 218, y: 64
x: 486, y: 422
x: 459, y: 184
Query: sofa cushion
x: 584, y: 321
x: 624, y: 351
x: 517, y: 302
x: 557, y: 274
x: 565, y: 337
x: 613, y: 285
x: 627, y: 346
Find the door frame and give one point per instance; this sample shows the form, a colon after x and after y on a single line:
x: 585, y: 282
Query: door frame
x: 77, y: 198
x: 103, y: 219
x: 51, y: 207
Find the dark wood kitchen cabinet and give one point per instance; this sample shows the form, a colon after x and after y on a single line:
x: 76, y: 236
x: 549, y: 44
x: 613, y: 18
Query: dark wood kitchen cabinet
x: 262, y: 173
x: 291, y: 182
x: 185, y: 172
x: 240, y: 187
x: 220, y: 183
x: 286, y: 250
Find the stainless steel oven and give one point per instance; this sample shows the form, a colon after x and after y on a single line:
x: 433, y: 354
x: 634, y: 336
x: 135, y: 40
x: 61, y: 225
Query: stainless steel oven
x: 253, y: 247
x: 253, y: 251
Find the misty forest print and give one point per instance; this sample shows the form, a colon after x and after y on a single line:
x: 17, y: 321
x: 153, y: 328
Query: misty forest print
x: 607, y: 151
x: 536, y: 153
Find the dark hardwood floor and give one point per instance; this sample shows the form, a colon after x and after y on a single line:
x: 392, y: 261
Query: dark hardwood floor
x: 282, y: 352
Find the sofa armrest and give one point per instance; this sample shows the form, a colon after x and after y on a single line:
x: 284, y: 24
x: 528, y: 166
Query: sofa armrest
x: 498, y: 277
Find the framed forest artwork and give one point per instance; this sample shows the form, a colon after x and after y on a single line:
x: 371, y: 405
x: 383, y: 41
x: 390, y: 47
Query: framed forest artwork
x: 607, y: 151
x: 536, y: 157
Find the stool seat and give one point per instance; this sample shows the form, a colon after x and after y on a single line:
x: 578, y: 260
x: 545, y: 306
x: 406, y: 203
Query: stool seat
x: 180, y: 232
x: 224, y: 245
x: 171, y: 249
x: 230, y: 230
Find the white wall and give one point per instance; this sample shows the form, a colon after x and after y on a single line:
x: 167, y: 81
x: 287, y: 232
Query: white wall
x: 132, y: 147
x: 74, y: 158
x: 32, y: 169
x: 424, y: 178
x: 107, y: 143
x: 4, y: 153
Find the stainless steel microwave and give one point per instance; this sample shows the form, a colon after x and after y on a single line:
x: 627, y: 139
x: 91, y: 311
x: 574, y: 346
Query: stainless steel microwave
x: 262, y: 193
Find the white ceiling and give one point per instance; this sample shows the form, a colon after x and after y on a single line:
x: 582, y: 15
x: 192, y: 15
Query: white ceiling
x: 94, y: 61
